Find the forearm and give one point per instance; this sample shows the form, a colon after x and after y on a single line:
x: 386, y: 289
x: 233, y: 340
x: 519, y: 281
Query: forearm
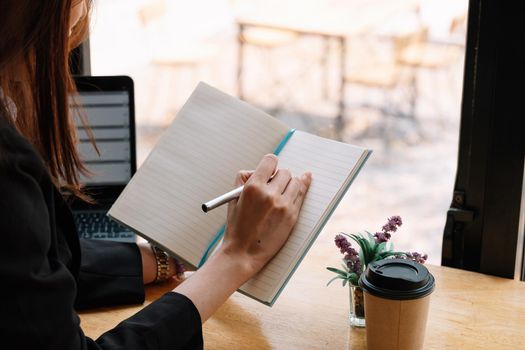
x: 210, y: 286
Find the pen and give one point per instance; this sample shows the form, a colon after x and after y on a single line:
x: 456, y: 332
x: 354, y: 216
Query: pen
x: 222, y: 199
x: 225, y: 198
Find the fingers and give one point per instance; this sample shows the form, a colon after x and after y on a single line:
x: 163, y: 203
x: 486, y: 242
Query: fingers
x: 242, y: 177
x: 265, y: 169
x: 280, y: 180
x: 297, y: 188
x: 306, y: 180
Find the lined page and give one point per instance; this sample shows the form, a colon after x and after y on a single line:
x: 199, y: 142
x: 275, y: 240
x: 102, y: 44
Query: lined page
x: 213, y: 137
x: 333, y: 166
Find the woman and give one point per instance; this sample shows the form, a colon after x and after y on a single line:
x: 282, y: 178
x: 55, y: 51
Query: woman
x: 46, y: 272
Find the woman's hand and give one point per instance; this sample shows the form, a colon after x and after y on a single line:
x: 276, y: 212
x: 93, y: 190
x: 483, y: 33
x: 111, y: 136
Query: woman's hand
x: 260, y: 221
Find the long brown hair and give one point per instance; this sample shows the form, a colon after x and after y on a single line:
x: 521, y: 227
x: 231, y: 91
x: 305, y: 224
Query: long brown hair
x: 34, y: 73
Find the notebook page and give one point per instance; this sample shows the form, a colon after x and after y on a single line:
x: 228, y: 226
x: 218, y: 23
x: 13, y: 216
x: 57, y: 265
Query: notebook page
x: 213, y: 137
x: 333, y: 166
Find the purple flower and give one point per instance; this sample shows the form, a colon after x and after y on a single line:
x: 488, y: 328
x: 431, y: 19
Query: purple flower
x: 396, y: 220
x: 414, y: 256
x: 382, y: 237
x: 351, y: 254
x: 390, y: 227
x: 351, y: 257
x: 353, y: 263
x: 342, y: 243
x: 392, y: 224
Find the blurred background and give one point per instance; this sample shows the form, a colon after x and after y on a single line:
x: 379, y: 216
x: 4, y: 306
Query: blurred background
x: 381, y: 74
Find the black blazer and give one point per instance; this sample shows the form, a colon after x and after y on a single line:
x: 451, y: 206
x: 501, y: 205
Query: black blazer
x: 46, y: 272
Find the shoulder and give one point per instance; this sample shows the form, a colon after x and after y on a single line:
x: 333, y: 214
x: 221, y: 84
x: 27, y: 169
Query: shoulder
x: 16, y: 153
x: 25, y: 191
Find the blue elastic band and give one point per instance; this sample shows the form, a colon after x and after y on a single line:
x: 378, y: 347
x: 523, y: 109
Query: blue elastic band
x: 283, y: 142
x: 217, y: 237
x: 220, y: 233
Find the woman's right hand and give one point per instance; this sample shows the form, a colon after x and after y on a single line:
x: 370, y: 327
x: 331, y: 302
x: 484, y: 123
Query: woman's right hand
x: 261, y: 220
x: 259, y: 224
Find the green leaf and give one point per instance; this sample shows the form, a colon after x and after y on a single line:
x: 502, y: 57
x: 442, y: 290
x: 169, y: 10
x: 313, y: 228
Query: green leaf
x: 358, y: 239
x: 355, y: 237
x: 368, y: 253
x: 389, y: 253
x: 380, y: 248
x: 353, y: 278
x: 361, y: 257
x: 333, y: 279
x: 344, y: 282
x: 384, y: 255
x: 371, y: 238
x: 340, y: 272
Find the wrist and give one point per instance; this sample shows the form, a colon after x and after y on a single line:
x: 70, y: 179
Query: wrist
x: 222, y: 274
x: 162, y: 261
x: 149, y: 264
x: 241, y: 264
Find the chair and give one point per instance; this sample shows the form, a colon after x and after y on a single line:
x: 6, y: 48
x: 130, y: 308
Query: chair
x: 266, y: 40
x: 433, y: 55
x: 377, y: 64
x: 429, y: 55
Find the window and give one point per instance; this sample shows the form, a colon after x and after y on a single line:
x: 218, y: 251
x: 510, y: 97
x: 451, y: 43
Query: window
x: 386, y: 75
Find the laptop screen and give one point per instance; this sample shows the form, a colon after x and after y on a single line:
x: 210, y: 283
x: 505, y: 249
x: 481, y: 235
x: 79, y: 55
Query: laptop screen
x: 108, y: 106
x: 107, y: 114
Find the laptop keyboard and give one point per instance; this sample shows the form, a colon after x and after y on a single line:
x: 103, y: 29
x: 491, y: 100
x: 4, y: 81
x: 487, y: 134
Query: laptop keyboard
x: 97, y: 225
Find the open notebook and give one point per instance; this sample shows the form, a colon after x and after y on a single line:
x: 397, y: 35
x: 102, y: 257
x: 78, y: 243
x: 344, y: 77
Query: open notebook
x: 213, y: 137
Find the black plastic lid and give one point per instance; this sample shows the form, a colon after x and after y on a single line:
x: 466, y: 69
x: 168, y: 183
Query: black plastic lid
x: 397, y: 279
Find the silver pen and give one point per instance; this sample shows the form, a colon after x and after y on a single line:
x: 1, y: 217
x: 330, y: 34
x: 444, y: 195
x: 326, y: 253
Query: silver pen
x: 222, y: 199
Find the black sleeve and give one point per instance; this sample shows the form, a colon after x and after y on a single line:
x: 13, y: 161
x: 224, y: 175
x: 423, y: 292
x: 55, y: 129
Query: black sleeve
x: 156, y: 328
x: 38, y: 291
x: 110, y: 274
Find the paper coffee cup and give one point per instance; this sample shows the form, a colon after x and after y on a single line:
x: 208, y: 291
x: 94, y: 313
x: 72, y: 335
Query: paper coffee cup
x: 397, y: 295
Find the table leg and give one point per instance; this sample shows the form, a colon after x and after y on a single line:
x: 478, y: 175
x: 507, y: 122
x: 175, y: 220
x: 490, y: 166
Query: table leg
x: 325, y: 68
x: 340, y: 122
x: 240, y: 53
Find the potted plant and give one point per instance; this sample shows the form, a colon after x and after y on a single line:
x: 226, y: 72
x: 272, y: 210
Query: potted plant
x: 372, y: 247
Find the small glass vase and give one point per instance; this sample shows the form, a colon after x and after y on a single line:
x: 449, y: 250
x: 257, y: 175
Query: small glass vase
x: 357, y: 307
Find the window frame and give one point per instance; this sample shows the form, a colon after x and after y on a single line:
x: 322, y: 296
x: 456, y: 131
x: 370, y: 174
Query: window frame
x: 483, y: 222
x: 483, y: 231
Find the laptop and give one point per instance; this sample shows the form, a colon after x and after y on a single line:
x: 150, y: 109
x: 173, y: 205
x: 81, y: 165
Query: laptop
x: 107, y: 102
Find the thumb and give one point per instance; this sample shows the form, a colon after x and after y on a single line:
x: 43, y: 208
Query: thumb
x: 240, y: 180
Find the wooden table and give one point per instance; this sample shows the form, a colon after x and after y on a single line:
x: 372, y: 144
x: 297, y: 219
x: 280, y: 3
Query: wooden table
x: 468, y: 311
